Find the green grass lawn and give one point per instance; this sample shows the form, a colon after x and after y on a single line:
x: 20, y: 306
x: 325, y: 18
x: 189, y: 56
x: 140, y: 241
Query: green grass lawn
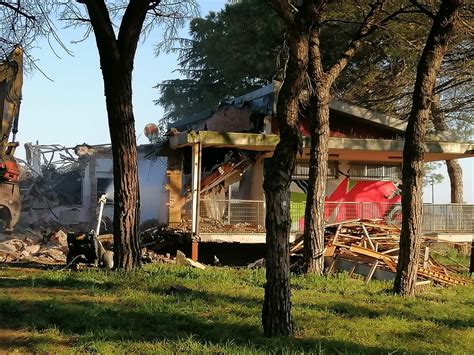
x: 99, y: 311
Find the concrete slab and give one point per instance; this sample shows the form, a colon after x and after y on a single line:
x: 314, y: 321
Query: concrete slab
x: 455, y: 237
x: 341, y: 148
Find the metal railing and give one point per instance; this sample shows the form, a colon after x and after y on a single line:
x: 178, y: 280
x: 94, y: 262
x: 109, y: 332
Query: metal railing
x: 233, y: 211
x: 436, y: 217
x: 448, y: 218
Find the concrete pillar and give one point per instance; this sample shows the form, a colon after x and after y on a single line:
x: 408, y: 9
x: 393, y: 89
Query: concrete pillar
x: 196, y: 194
x: 175, y: 188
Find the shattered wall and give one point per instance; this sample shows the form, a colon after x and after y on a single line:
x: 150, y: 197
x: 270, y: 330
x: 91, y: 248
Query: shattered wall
x: 64, y: 193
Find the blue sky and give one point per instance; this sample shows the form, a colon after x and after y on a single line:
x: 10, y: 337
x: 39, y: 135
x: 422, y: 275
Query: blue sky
x: 70, y: 109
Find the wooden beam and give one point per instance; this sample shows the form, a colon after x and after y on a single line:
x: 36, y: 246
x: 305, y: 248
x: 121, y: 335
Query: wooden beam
x: 372, y: 271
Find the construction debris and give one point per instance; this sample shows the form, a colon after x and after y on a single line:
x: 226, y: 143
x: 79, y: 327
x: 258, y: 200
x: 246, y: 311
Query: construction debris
x: 260, y: 263
x: 149, y: 256
x: 182, y: 260
x: 209, y: 225
x: 368, y: 247
x: 34, y: 247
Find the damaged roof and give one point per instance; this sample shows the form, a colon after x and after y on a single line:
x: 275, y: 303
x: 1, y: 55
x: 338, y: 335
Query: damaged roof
x: 263, y: 101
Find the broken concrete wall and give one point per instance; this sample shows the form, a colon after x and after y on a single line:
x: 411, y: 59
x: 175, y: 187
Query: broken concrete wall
x: 251, y: 183
x: 228, y: 119
x: 93, y: 175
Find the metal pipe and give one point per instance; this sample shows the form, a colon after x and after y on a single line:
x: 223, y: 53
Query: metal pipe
x: 102, y: 202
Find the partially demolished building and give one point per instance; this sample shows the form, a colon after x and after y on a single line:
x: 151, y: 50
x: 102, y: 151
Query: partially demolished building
x: 216, y: 162
x: 61, y: 186
x: 206, y: 178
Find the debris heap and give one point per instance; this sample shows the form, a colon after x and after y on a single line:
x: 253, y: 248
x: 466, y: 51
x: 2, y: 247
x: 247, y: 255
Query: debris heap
x: 209, y: 225
x: 50, y: 248
x: 375, y: 245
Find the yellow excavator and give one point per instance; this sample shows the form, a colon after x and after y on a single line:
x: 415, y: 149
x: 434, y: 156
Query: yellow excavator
x: 11, y: 82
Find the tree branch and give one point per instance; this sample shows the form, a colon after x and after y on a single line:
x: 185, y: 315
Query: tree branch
x: 422, y: 9
x: 315, y: 68
x: 131, y: 27
x: 18, y: 10
x: 283, y: 7
x: 103, y: 30
x: 369, y: 25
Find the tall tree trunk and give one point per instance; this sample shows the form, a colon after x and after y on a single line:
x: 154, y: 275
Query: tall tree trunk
x: 276, y: 312
x: 117, y: 55
x: 320, y: 97
x: 453, y: 166
x: 126, y: 188
x: 318, y: 171
x: 455, y: 180
x: 436, y: 45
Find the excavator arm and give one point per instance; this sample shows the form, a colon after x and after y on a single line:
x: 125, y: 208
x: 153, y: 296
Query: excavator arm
x: 11, y: 82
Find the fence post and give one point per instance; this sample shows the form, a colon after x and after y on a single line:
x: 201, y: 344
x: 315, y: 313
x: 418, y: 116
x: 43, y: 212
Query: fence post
x: 447, y: 217
x: 258, y: 213
x: 228, y: 205
x: 458, y: 216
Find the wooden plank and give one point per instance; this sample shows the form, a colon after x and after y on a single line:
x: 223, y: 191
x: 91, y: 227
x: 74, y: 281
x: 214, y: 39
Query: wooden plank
x: 349, y: 236
x: 340, y: 223
x: 370, y: 253
x: 392, y: 265
x: 372, y: 272
x: 390, y: 251
x: 329, y: 250
x: 367, y: 236
x: 334, y: 264
x: 426, y: 257
x: 422, y: 283
x: 297, y: 247
x: 338, y: 230
x: 353, y: 267
x: 448, y: 280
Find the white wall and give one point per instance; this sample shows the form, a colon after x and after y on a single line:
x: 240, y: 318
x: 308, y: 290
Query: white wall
x: 152, y: 179
x: 153, y: 196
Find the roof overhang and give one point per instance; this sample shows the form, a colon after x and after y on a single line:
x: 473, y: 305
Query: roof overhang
x: 245, y: 141
x: 392, y: 150
x: 354, y: 149
x: 373, y: 117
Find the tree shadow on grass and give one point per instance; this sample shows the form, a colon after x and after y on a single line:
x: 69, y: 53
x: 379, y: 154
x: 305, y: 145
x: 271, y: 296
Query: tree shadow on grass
x: 70, y: 282
x: 32, y: 265
x: 351, y: 311
x: 213, y: 298
x: 87, y: 321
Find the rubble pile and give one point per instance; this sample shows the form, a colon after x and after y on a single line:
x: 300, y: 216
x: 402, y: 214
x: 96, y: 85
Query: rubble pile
x: 149, y: 256
x: 51, y: 248
x: 375, y: 245
x: 34, y: 247
x: 209, y: 225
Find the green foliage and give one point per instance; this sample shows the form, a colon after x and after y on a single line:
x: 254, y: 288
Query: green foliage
x: 109, y: 312
x: 235, y: 51
x: 230, y: 53
x: 430, y: 176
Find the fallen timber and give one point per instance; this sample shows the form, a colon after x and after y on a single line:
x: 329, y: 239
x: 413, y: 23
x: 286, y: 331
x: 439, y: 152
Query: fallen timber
x: 370, y: 247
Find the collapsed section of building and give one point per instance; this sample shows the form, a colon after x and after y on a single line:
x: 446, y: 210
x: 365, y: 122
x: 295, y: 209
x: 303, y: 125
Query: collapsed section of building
x: 61, y: 186
x: 365, y: 158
